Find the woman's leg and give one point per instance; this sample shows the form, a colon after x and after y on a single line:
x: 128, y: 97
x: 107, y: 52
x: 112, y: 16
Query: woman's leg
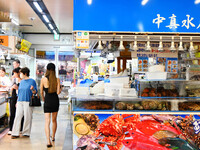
x: 12, y: 112
x: 47, y: 127
x: 18, y: 118
x: 28, y: 111
x: 54, y: 126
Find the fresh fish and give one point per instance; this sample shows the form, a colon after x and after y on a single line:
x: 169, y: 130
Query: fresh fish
x: 164, y: 134
x: 177, y: 143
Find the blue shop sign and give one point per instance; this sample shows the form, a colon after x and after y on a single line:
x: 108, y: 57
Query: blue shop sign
x: 137, y: 15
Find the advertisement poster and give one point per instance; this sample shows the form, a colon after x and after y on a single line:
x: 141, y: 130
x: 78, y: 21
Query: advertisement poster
x: 143, y: 64
x: 172, y: 65
x: 25, y: 46
x: 4, y: 40
x: 136, y: 132
x: 82, y: 40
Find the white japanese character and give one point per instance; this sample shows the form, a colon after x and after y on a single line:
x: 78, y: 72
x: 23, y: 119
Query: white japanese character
x: 196, y: 125
x: 198, y: 26
x: 158, y: 20
x: 173, y: 22
x: 188, y: 21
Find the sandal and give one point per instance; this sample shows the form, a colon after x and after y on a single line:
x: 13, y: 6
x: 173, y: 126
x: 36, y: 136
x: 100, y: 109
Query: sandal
x: 53, y: 139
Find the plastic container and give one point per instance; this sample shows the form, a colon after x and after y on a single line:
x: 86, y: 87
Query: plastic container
x: 156, y: 75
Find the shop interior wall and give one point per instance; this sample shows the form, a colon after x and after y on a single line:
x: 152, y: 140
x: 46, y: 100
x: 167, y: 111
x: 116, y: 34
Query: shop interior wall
x: 46, y: 42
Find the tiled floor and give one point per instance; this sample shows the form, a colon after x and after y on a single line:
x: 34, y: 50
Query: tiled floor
x: 37, y: 141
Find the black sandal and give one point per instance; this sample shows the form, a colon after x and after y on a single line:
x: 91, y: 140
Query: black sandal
x: 49, y: 145
x: 53, y: 139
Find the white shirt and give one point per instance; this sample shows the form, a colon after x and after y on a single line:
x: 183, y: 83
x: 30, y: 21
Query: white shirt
x: 5, y: 81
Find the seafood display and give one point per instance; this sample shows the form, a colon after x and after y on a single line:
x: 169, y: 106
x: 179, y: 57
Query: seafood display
x: 143, y: 105
x: 142, y: 132
x: 159, y: 92
x: 191, y: 106
x: 195, y: 78
x: 96, y: 105
x: 193, y: 93
x: 90, y: 119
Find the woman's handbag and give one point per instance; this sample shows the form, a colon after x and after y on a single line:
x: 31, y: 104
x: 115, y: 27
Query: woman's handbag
x: 35, y: 101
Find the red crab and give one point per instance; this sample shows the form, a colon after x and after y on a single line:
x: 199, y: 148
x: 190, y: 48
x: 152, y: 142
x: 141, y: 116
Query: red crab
x: 113, y: 128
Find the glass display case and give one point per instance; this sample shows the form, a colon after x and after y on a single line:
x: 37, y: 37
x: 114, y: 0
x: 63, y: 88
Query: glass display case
x: 3, y: 116
x: 92, y: 103
x: 168, y: 89
x: 127, y: 104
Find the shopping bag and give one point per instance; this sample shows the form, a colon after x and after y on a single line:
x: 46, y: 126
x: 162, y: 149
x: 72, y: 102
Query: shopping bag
x: 35, y: 101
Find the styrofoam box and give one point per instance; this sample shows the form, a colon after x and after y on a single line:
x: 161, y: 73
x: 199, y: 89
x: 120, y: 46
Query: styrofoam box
x: 82, y: 90
x: 127, y: 92
x: 157, y: 68
x: 112, y: 89
x: 156, y: 75
x: 124, y: 80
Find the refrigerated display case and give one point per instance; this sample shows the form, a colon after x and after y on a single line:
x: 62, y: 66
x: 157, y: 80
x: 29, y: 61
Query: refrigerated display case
x: 3, y: 116
x: 168, y: 88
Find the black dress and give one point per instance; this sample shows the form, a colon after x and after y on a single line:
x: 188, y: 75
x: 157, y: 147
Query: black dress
x: 51, y: 102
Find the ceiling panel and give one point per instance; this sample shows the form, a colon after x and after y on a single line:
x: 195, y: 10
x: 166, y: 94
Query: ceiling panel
x: 62, y: 13
x: 60, y: 10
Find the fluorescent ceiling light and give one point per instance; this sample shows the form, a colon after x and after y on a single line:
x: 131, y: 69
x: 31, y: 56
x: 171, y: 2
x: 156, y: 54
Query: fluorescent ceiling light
x: 38, y: 7
x: 144, y: 2
x: 54, y: 32
x: 191, y: 45
x: 172, y: 48
x: 180, y: 48
x: 148, y: 47
x: 160, y: 47
x: 135, y: 48
x: 15, y: 22
x: 197, y: 2
x: 89, y: 2
x: 121, y: 46
x: 50, y: 25
x: 45, y: 18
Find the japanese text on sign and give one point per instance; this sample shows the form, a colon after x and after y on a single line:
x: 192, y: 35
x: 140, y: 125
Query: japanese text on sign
x: 196, y: 124
x: 187, y: 23
x: 147, y: 55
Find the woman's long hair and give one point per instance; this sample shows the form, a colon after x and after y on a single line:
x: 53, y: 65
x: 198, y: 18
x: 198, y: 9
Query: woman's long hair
x: 51, y: 76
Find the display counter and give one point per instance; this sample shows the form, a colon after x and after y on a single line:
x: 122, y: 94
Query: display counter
x: 3, y: 116
x: 125, y: 123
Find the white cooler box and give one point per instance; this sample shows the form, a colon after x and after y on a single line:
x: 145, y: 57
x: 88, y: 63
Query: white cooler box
x: 112, y: 89
x: 124, y: 80
x: 127, y: 92
x: 156, y: 75
x: 82, y: 91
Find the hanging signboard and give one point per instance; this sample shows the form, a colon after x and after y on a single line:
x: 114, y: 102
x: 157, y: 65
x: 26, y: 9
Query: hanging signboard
x: 4, y: 40
x: 137, y: 15
x: 141, y: 52
x: 82, y: 40
x: 25, y: 45
x: 136, y: 54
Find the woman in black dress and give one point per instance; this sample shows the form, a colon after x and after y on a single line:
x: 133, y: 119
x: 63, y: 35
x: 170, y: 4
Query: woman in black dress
x: 50, y: 85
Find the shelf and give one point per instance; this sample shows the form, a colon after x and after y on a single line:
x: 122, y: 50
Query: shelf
x: 189, y: 59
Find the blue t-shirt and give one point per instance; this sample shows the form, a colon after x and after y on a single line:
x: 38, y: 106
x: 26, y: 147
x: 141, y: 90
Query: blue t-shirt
x: 24, y: 91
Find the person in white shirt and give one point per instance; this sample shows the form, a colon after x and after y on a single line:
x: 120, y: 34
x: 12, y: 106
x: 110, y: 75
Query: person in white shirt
x: 5, y: 82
